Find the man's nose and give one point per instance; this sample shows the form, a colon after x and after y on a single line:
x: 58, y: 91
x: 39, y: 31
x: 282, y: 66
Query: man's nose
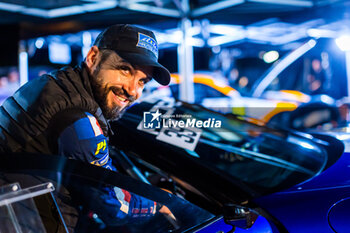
x: 132, y: 87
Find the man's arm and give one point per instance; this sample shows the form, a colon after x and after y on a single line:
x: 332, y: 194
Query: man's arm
x: 83, y: 140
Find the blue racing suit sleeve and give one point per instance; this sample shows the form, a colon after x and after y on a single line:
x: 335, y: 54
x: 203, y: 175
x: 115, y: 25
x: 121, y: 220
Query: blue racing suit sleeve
x: 83, y: 140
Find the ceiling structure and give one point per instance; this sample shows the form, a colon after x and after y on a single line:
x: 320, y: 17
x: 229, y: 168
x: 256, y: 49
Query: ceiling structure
x: 183, y: 23
x: 51, y: 9
x: 214, y: 23
x: 37, y: 17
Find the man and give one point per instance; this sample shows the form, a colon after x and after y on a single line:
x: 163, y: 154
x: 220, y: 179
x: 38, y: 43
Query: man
x: 66, y: 112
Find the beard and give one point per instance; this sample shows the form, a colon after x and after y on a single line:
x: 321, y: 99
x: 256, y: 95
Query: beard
x: 101, y: 92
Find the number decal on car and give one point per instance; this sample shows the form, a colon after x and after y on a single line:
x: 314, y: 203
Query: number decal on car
x: 182, y: 137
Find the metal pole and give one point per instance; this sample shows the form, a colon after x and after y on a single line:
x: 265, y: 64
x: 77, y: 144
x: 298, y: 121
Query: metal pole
x: 185, y: 63
x: 347, y: 64
x: 23, y: 63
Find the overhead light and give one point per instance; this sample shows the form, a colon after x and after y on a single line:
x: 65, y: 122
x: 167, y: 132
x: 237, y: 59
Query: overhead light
x: 84, y: 51
x: 196, y: 42
x: 91, y: 6
x: 87, y: 39
x: 321, y: 33
x: 271, y: 56
x: 59, y: 53
x: 222, y: 29
x: 11, y: 7
x: 311, y: 43
x: 175, y: 37
x: 23, y: 67
x: 39, y: 43
x: 220, y: 40
x: 216, y: 49
x: 343, y: 42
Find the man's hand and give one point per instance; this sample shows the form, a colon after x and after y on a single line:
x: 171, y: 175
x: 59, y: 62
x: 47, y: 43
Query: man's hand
x: 169, y: 215
x: 165, y: 210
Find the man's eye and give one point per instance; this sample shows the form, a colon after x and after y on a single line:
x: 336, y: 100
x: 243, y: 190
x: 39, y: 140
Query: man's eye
x: 144, y: 81
x: 125, y: 69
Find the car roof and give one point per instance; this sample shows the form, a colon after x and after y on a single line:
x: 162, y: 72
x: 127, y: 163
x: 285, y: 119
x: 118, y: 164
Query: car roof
x: 207, y: 80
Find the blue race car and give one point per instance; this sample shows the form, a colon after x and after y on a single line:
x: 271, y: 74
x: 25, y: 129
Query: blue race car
x: 221, y: 173
x: 284, y: 181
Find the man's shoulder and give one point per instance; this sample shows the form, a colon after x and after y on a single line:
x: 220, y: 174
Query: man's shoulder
x: 54, y: 92
x: 65, y: 72
x: 47, y: 84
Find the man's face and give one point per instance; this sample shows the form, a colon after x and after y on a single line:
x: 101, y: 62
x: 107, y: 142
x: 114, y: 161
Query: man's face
x: 117, y: 84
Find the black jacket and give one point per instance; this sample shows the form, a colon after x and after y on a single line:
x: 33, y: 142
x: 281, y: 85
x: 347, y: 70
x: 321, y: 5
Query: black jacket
x: 31, y: 118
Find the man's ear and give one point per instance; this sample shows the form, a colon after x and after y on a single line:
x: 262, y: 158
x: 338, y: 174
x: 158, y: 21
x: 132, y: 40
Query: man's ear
x: 92, y: 57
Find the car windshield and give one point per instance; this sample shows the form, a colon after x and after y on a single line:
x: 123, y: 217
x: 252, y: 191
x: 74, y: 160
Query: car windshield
x: 256, y: 154
x: 310, y: 68
x: 261, y: 157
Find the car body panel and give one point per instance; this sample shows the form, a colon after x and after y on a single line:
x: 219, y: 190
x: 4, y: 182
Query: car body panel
x: 314, y: 200
x: 208, y: 80
x: 338, y: 216
x: 261, y: 225
x: 231, y: 101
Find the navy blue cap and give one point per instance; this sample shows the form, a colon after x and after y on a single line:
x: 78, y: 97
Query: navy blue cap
x: 136, y: 45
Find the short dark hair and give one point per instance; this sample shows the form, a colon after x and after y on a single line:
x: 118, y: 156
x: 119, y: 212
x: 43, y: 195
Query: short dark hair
x: 105, y: 54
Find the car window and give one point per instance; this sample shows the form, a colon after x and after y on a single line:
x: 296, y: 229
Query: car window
x: 174, y: 90
x: 200, y: 92
x: 291, y: 78
x: 318, y: 71
x: 256, y: 154
x: 205, y: 91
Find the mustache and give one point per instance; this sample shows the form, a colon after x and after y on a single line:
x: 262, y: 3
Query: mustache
x: 122, y: 92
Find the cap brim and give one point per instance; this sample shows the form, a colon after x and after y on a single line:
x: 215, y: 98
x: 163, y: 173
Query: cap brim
x: 160, y: 73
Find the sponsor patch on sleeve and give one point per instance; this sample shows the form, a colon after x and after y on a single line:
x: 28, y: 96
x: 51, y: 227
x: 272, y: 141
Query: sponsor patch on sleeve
x: 123, y: 197
x: 95, y: 125
x: 102, y: 161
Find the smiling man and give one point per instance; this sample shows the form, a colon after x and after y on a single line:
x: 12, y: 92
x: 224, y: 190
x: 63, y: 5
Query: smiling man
x: 67, y: 111
x: 116, y: 83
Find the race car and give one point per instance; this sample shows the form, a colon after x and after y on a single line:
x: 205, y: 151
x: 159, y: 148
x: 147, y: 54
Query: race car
x: 288, y: 107
x: 283, y: 180
x: 219, y: 173
x: 215, y: 93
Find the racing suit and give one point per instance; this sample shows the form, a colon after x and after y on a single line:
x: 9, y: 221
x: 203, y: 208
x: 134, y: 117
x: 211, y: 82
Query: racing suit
x: 84, y: 140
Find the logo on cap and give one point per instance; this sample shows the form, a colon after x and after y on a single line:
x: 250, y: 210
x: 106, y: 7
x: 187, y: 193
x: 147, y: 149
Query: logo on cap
x: 148, y: 43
